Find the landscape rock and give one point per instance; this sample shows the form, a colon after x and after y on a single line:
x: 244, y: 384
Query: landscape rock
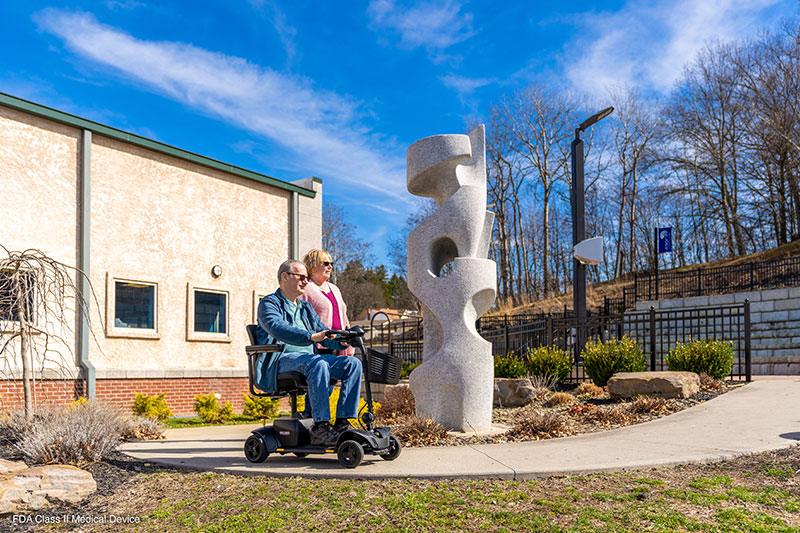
x: 29, y: 489
x: 513, y: 392
x: 660, y: 384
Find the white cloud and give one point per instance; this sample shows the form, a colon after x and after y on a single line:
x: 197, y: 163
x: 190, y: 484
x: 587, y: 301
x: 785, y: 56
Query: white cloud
x: 435, y: 25
x: 647, y: 43
x: 463, y: 85
x: 321, y: 127
x: 286, y: 32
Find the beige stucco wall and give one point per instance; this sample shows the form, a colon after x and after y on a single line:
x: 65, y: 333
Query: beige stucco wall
x: 160, y: 219
x: 310, y: 213
x: 39, y: 177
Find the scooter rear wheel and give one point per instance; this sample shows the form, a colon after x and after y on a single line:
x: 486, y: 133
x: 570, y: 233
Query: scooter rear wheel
x: 350, y: 454
x: 255, y: 450
x: 394, y: 449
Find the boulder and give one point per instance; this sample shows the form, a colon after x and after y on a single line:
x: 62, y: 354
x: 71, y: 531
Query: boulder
x: 29, y: 489
x: 513, y: 392
x: 660, y: 384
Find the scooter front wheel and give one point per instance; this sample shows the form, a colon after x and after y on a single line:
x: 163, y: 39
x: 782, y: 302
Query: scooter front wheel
x: 350, y: 454
x: 255, y: 450
x: 394, y: 449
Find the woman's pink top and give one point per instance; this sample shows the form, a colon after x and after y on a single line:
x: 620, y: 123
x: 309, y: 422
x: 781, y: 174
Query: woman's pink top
x: 328, y: 308
x: 336, y: 323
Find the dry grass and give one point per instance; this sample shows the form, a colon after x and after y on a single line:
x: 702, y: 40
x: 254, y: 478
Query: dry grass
x: 142, y: 427
x: 415, y: 431
x: 397, y: 404
x: 590, y: 390
x: 531, y: 423
x: 648, y: 405
x: 79, y: 434
x: 710, y: 383
x: 560, y: 398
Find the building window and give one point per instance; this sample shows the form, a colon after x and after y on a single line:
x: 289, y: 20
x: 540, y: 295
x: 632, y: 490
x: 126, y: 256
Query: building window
x: 210, y: 312
x: 134, y: 305
x: 10, y: 293
x: 131, y: 308
x: 207, y: 314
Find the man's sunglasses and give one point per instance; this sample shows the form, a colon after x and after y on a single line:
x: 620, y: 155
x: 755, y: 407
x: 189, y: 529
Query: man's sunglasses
x: 301, y: 277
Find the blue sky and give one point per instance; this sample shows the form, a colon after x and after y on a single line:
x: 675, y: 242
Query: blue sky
x: 339, y: 90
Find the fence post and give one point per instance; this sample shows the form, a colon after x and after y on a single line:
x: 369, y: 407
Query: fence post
x: 652, y: 338
x: 699, y: 282
x: 751, y: 276
x: 549, y: 329
x: 635, y: 289
x: 506, y: 338
x: 747, y: 358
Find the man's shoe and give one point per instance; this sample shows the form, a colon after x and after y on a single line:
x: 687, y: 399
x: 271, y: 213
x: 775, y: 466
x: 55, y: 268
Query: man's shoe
x: 342, y: 425
x: 323, y: 434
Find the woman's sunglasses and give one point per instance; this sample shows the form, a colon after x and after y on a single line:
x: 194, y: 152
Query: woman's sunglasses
x: 327, y: 263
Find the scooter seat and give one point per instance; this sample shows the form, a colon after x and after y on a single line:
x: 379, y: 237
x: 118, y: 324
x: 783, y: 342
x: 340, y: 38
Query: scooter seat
x: 288, y: 381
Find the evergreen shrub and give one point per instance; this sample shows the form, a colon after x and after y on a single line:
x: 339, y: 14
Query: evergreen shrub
x: 603, y: 360
x: 509, y: 366
x: 548, y: 361
x: 151, y: 406
x: 207, y: 407
x: 703, y: 356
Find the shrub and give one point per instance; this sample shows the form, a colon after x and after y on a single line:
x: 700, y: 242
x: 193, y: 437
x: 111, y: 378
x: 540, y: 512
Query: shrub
x: 589, y: 389
x: 142, y: 427
x: 714, y: 358
x: 509, y: 366
x: 559, y: 398
x: 414, y: 431
x: 151, y: 406
x: 398, y: 403
x: 531, y: 423
x: 79, y: 434
x: 207, y: 407
x: 603, y: 360
x: 548, y: 361
x: 407, y: 368
x: 259, y: 407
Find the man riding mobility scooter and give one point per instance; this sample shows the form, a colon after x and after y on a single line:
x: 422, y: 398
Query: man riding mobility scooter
x: 290, y: 434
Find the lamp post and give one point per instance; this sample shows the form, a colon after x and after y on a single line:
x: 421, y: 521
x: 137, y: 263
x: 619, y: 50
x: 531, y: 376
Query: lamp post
x: 578, y: 205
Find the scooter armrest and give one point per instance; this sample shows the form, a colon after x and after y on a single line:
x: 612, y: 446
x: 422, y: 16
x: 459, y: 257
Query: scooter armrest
x: 259, y: 348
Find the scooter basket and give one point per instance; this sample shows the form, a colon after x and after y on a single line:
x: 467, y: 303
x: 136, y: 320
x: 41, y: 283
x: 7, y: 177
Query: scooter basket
x: 383, y: 368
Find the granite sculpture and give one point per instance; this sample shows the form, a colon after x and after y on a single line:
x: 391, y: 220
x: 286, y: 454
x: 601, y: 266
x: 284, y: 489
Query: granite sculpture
x: 449, y: 272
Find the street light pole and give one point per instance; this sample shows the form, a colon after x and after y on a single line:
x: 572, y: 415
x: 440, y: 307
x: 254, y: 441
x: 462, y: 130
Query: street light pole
x: 578, y: 205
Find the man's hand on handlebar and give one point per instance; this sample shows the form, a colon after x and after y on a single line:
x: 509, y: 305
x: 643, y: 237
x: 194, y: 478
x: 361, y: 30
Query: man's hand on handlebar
x: 327, y: 334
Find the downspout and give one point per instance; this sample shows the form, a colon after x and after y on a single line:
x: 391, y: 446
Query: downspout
x: 84, y: 286
x: 294, y: 230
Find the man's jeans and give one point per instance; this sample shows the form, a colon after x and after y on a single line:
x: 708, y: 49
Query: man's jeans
x: 318, y: 369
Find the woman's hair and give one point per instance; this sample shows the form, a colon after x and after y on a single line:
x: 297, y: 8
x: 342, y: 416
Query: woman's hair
x: 314, y: 258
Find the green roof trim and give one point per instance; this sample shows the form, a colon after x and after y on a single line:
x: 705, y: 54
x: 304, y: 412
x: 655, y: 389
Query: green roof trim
x: 107, y: 131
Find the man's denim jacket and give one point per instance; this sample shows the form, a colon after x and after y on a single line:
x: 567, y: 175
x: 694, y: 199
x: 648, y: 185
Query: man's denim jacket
x: 275, y: 327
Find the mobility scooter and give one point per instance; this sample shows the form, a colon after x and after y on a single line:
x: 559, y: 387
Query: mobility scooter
x: 290, y: 434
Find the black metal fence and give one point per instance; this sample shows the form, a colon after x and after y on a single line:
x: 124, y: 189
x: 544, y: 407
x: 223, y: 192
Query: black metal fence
x: 752, y: 276
x: 656, y: 331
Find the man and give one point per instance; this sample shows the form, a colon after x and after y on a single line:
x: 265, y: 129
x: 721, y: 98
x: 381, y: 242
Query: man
x: 284, y: 318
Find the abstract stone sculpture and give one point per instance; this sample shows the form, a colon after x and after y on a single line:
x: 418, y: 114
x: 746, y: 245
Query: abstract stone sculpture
x: 449, y: 272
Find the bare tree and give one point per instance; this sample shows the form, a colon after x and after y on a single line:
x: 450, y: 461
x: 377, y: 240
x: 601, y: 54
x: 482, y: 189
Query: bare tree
x: 339, y: 238
x: 39, y: 299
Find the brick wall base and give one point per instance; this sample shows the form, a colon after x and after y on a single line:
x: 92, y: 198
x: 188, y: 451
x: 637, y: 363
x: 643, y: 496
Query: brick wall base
x: 121, y: 392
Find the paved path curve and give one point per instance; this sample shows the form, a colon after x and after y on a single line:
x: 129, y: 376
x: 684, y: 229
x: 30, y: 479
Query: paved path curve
x: 763, y: 415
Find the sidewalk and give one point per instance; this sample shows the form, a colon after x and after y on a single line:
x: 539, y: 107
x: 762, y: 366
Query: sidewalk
x: 763, y: 415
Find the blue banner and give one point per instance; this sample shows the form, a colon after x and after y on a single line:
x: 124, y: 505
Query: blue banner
x: 664, y: 240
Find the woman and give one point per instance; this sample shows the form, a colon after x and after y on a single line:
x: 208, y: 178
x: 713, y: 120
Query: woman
x: 325, y: 297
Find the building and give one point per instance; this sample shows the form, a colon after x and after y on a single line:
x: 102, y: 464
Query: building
x: 178, y: 249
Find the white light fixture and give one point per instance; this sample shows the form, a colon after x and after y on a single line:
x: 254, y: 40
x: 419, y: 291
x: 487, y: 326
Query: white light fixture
x: 590, y: 251
x: 216, y: 271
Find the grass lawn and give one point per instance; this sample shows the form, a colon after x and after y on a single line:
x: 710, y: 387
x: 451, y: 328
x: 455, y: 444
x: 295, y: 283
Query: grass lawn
x: 754, y: 493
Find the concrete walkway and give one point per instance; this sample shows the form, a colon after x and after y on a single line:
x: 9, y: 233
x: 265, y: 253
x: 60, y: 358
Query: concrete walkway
x: 763, y: 415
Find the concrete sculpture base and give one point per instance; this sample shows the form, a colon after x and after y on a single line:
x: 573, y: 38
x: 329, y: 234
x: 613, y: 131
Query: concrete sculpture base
x: 449, y: 272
